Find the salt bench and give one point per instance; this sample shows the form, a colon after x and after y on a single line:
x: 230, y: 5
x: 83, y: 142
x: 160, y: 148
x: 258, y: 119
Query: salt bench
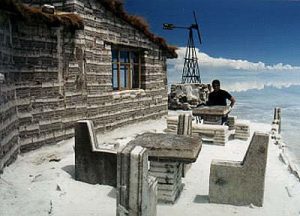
x: 93, y: 164
x: 241, y: 183
x: 242, y: 129
x: 216, y: 134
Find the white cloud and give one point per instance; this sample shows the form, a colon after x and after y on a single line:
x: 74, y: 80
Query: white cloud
x: 258, y: 85
x: 211, y: 63
x: 234, y: 73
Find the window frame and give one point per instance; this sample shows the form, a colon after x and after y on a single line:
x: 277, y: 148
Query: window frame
x: 130, y: 66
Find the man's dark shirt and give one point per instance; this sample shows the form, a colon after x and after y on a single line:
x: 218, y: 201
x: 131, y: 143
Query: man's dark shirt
x: 218, y: 98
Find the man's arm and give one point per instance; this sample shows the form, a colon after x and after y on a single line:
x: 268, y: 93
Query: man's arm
x: 231, y: 98
x: 232, y: 101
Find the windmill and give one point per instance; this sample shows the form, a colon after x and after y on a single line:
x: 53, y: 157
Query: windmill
x: 190, y: 71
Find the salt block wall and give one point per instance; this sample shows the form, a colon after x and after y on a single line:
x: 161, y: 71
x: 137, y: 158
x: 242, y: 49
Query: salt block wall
x: 9, y: 148
x: 9, y: 145
x: 92, y: 66
x: 33, y: 61
x: 43, y: 107
x: 105, y: 107
x: 55, y: 77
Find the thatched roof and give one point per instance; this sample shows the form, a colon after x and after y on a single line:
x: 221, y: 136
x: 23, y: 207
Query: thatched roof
x: 22, y: 11
x: 117, y: 8
x: 74, y: 21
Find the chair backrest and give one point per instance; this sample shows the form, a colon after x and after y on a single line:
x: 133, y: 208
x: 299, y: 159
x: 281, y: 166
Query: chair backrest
x: 184, y: 125
x: 256, y: 155
x: 132, y: 182
x: 93, y: 164
x: 85, y: 128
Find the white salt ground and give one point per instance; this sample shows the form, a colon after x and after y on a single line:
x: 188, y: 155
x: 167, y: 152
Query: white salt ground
x: 34, y: 186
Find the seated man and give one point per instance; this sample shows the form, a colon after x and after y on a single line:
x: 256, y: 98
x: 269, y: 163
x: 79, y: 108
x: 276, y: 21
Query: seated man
x: 218, y: 97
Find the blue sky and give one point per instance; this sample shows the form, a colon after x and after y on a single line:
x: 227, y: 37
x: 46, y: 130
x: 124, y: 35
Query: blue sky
x: 265, y: 31
x: 252, y: 46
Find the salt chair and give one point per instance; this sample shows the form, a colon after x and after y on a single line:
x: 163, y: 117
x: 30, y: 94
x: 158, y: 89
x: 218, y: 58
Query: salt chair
x: 241, y: 182
x: 93, y: 164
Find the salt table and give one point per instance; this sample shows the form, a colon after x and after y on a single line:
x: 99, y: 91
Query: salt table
x: 211, y: 114
x: 167, y: 153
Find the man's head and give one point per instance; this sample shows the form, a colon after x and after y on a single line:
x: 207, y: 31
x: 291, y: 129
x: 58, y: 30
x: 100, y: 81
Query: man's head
x: 216, y: 85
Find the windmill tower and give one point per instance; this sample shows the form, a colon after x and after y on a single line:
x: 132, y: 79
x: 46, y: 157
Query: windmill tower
x: 190, y: 71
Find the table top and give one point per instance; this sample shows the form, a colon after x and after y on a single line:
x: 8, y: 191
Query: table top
x: 211, y: 110
x: 169, y: 147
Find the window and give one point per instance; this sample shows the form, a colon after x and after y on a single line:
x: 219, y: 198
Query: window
x: 126, y: 70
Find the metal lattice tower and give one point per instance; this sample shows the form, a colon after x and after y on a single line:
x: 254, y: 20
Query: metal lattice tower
x: 190, y: 71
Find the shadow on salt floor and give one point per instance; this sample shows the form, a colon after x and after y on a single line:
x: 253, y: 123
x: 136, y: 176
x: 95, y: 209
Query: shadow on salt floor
x: 70, y: 169
x: 201, y: 199
x: 112, y: 193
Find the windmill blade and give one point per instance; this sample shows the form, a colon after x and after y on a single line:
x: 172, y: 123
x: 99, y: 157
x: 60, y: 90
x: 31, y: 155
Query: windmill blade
x: 198, y: 31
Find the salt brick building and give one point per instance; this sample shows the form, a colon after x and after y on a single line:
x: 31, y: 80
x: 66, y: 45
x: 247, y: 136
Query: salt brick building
x: 88, y: 60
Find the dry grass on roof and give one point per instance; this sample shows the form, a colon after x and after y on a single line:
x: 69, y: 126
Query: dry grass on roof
x: 74, y: 21
x: 117, y: 7
x: 32, y: 14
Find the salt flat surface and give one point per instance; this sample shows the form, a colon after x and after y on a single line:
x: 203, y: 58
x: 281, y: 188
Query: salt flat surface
x: 34, y: 186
